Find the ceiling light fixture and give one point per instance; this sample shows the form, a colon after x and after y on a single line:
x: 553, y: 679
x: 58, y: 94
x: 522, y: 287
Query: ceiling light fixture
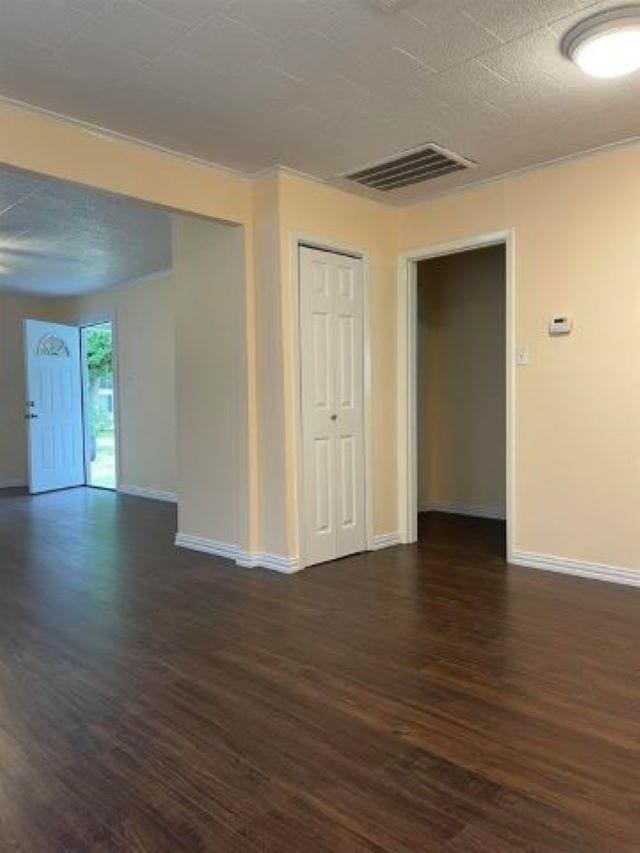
x: 607, y: 44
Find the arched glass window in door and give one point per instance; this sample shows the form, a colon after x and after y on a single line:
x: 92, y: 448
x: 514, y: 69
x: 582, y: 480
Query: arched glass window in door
x: 52, y: 345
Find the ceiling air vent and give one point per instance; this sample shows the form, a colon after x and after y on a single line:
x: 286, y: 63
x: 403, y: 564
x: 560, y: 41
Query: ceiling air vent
x: 411, y: 167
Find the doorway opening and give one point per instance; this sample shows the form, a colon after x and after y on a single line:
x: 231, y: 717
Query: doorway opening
x: 456, y: 438
x: 461, y: 396
x: 99, y: 405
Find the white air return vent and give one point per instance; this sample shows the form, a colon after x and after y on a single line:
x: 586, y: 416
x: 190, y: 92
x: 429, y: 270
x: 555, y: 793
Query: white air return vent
x: 411, y: 167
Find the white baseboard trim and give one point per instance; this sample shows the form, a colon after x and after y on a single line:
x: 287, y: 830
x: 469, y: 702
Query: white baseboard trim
x: 274, y: 562
x: 384, y: 540
x: 567, y: 566
x: 12, y: 482
x: 152, y: 494
x: 206, y: 546
x: 459, y: 508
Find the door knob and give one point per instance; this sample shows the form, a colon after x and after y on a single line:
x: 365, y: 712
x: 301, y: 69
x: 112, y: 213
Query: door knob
x: 334, y: 417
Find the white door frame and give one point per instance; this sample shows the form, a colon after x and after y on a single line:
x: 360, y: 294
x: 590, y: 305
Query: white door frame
x: 302, y: 239
x: 85, y: 322
x: 407, y: 376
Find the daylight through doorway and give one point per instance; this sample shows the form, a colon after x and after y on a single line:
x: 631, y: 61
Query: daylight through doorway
x: 99, y: 409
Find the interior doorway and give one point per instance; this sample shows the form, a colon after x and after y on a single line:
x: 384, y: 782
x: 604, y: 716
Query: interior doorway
x: 99, y: 405
x: 456, y: 438
x: 97, y: 260
x: 461, y: 393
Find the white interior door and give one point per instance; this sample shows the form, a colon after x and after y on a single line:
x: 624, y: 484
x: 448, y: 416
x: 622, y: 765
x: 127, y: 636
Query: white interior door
x: 331, y: 344
x: 54, y: 406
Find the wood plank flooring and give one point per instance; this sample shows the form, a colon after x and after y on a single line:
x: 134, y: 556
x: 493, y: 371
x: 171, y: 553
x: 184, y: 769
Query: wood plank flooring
x: 414, y: 699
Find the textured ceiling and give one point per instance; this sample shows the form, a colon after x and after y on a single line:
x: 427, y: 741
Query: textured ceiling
x: 321, y: 86
x: 59, y: 239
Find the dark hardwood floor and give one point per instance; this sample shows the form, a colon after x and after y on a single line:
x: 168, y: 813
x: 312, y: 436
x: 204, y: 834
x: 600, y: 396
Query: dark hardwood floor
x: 476, y: 536
x: 418, y: 698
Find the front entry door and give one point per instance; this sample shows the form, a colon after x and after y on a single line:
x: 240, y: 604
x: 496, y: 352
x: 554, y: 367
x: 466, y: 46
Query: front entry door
x: 331, y: 343
x: 54, y: 406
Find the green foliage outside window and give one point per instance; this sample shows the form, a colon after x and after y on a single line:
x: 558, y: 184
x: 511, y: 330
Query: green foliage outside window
x: 100, y: 367
x: 99, y: 354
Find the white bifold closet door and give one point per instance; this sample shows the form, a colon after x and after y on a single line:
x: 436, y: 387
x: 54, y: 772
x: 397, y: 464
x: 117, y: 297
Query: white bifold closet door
x: 333, y: 463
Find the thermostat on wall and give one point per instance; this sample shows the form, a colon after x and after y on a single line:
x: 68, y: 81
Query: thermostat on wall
x: 560, y: 325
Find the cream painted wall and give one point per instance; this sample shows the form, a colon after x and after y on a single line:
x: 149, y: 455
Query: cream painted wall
x: 274, y: 522
x: 211, y: 380
x: 576, y: 229
x: 286, y: 207
x: 144, y: 317
x: 577, y: 250
x: 461, y: 381
x: 144, y: 321
x: 13, y: 433
x: 31, y: 140
x: 35, y: 141
x: 62, y: 149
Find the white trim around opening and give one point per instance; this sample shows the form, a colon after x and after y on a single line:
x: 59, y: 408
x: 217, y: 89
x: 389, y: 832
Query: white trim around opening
x: 407, y: 376
x: 313, y: 241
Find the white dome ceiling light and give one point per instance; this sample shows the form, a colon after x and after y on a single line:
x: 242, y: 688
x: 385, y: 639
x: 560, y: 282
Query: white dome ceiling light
x: 607, y: 44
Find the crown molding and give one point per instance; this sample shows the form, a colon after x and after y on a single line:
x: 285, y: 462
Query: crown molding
x: 584, y: 154
x: 115, y: 136
x: 332, y: 183
x: 280, y: 169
